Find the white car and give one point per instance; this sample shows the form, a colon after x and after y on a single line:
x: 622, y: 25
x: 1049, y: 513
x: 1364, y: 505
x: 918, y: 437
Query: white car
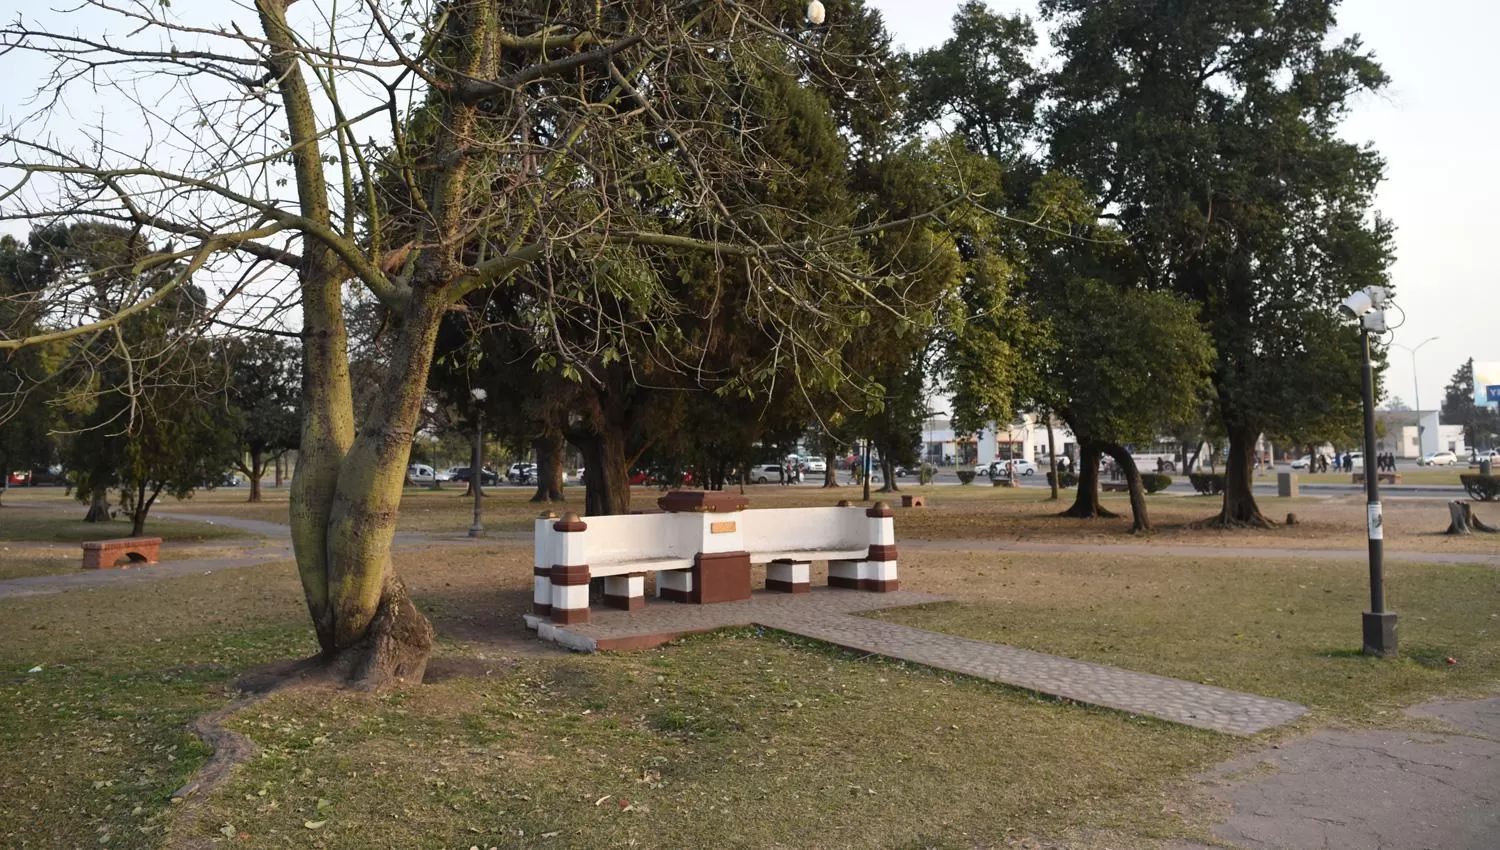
x: 419, y: 474
x: 1302, y: 462
x: 816, y: 464
x: 1002, y: 468
x: 982, y: 469
x: 765, y: 473
x: 1439, y: 459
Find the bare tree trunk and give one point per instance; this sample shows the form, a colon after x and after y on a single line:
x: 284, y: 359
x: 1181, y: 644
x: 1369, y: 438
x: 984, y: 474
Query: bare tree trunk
x: 1052, y: 460
x: 606, y: 474
x: 1140, y: 520
x: 830, y: 469
x: 549, y: 467
x: 98, y: 507
x: 1239, y: 482
x: 888, y: 471
x: 1086, y: 500
x: 257, y: 469
x: 280, y: 465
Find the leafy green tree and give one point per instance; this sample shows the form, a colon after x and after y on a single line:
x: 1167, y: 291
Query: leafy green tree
x: 1209, y: 133
x: 264, y: 383
x: 25, y: 390
x: 1481, y: 424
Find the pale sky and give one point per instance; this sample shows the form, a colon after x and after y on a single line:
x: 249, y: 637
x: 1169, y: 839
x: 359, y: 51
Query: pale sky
x: 1436, y: 125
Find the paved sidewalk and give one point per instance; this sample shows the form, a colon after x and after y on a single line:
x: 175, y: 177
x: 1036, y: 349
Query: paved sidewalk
x: 825, y: 614
x: 1389, y: 788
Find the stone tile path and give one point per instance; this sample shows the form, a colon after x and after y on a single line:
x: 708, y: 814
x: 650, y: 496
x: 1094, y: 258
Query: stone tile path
x: 825, y: 615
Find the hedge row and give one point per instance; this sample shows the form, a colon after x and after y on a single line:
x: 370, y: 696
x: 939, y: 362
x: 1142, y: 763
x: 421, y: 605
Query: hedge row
x: 1207, y: 483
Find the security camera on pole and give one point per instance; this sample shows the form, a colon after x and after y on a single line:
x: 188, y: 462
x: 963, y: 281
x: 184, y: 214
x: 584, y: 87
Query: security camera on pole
x: 1368, y: 306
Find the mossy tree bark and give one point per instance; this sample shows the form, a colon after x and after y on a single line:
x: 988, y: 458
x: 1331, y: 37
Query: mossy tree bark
x: 1240, y: 509
x: 1086, y: 501
x: 1140, y: 521
x: 549, y: 467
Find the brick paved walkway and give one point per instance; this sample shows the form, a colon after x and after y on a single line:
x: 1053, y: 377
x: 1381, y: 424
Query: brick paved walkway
x: 825, y: 615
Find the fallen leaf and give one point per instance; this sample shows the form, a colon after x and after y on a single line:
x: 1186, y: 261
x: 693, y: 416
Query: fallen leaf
x: 314, y: 824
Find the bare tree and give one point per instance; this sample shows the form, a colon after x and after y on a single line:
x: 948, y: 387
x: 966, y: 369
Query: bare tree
x: 424, y: 152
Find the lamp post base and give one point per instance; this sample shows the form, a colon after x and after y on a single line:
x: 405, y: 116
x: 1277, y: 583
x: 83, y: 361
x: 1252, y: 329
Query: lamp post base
x: 1380, y: 634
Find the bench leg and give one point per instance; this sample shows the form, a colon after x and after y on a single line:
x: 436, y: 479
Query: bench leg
x: 570, y: 595
x: 845, y: 574
x: 675, y: 585
x: 541, y: 596
x: 877, y: 576
x: 627, y: 593
x: 880, y: 577
x: 789, y: 576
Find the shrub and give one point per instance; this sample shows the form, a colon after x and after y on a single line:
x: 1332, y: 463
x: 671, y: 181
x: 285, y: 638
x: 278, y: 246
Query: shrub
x: 1067, y: 478
x: 966, y: 476
x: 1485, y: 488
x: 1207, y: 483
x: 927, y: 473
x: 1155, y: 482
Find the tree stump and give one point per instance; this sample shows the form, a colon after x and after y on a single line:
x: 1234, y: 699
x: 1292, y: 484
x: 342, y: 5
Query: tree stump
x: 1463, y: 521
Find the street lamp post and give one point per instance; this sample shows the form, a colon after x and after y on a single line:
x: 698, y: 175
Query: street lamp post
x: 1416, y: 387
x: 476, y: 464
x: 1379, y: 625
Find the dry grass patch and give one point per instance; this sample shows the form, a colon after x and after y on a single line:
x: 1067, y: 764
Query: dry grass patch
x: 733, y: 740
x: 1280, y: 628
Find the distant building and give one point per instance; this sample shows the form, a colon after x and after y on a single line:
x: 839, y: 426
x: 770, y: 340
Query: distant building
x: 1411, y: 434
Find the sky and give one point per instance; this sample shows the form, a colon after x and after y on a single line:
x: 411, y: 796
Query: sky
x: 1436, y: 125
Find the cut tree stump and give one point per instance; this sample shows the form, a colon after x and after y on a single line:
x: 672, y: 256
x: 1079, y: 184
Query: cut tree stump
x: 1463, y: 520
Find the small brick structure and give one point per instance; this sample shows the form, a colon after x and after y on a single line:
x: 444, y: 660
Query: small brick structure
x: 913, y: 501
x: 103, y: 554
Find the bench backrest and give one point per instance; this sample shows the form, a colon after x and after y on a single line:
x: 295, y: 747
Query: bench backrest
x: 774, y: 529
x: 629, y: 537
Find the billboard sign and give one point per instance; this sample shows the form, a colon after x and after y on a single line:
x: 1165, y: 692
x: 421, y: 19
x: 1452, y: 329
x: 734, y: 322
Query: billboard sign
x: 1486, y: 382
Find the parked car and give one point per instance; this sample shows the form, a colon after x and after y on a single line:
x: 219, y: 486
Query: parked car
x: 816, y: 464
x: 19, y: 478
x: 521, y: 473
x: 487, y: 477
x: 1001, y: 468
x: 765, y: 473
x: 420, y: 474
x: 1439, y: 459
x: 1302, y: 462
x: 982, y: 469
x: 1491, y: 455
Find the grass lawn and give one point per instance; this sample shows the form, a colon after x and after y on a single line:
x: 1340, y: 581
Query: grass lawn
x: 1280, y: 628
x: 971, y: 512
x: 737, y: 739
x: 25, y: 524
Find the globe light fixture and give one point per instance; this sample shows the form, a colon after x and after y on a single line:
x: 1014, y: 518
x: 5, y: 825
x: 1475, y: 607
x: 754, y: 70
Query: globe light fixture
x: 815, y: 13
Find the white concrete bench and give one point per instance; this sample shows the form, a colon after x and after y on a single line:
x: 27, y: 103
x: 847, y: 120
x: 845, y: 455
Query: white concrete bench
x: 701, y: 548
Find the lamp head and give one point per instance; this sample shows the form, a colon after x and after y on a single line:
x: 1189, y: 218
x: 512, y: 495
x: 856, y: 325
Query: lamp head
x: 815, y: 13
x: 1357, y: 304
x: 479, y: 393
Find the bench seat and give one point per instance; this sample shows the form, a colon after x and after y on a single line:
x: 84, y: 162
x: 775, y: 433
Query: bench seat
x: 809, y: 555
x: 643, y: 565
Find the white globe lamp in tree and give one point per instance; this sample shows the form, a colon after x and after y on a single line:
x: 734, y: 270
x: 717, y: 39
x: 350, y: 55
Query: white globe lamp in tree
x: 815, y: 13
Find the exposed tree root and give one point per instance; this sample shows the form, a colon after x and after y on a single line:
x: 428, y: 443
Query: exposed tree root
x: 1076, y: 512
x: 1223, y: 523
